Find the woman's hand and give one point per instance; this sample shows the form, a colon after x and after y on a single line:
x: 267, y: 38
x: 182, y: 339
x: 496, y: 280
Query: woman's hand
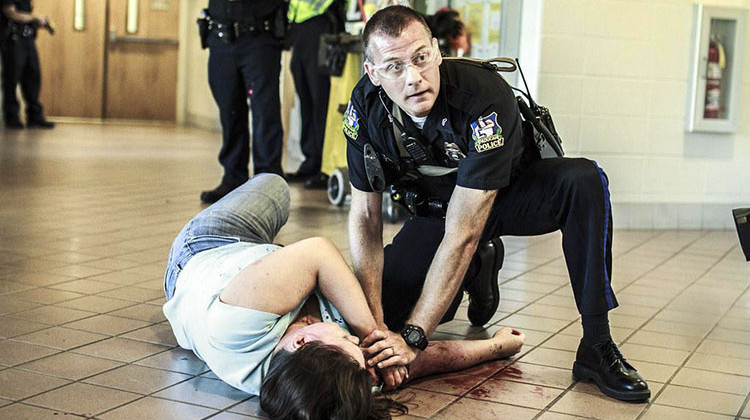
x: 394, y: 376
x: 386, y: 349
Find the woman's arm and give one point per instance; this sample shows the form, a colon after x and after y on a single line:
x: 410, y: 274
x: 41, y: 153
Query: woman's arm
x: 278, y: 282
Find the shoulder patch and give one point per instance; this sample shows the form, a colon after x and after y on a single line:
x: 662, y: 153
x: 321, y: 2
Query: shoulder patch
x: 351, y: 122
x: 487, y: 133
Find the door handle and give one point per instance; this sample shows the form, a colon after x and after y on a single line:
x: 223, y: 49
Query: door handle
x: 79, y: 15
x: 114, y: 38
x: 131, y: 19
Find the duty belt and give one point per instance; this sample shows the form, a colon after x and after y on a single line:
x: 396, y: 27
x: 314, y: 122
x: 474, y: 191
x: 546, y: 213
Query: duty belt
x: 23, y: 30
x: 240, y: 28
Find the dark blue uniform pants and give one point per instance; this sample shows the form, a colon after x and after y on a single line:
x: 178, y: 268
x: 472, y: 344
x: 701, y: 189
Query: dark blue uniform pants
x: 313, y: 89
x: 21, y: 64
x: 571, y: 195
x: 248, y: 67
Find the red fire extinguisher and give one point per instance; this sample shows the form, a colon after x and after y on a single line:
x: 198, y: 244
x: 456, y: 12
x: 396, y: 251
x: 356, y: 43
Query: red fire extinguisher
x: 715, y: 66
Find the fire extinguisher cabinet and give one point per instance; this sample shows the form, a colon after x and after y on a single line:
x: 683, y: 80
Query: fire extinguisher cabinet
x: 716, y: 69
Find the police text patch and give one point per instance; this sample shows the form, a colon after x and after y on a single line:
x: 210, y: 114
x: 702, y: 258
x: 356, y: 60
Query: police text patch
x: 351, y: 122
x: 487, y: 133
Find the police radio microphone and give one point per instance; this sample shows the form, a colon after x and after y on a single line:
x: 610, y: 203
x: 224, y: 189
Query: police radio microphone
x: 528, y: 91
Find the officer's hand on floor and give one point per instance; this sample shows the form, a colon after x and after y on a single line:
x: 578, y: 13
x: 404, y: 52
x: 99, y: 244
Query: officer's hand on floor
x: 386, y: 348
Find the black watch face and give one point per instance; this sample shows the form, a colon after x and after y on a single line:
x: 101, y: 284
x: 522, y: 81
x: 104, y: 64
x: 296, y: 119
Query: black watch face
x: 414, y: 336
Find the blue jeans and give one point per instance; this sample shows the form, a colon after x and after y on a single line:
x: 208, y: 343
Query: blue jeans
x: 254, y: 212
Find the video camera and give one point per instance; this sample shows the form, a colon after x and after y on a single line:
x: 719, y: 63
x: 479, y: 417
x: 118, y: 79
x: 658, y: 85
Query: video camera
x: 333, y: 50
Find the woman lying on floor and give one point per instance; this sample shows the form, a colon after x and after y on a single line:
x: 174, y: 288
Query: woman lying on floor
x: 286, y: 323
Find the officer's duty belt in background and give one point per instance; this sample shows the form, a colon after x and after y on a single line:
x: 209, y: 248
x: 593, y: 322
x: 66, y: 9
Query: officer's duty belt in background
x: 23, y: 30
x: 232, y: 30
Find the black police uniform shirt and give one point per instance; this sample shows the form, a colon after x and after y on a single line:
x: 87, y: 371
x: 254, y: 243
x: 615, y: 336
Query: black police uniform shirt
x: 474, y: 125
x: 239, y: 10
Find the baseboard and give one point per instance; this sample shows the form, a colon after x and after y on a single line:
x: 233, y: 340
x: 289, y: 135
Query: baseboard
x: 200, y: 121
x: 687, y: 216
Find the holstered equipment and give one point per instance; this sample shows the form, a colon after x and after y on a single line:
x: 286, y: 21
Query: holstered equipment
x: 417, y: 201
x: 229, y: 31
x: 373, y: 169
x: 545, y: 135
x: 16, y: 30
x: 203, y: 24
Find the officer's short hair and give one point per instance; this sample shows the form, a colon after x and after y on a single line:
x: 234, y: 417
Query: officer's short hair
x: 390, y: 22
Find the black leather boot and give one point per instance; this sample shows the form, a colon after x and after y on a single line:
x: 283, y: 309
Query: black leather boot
x: 13, y: 124
x: 484, y: 290
x: 212, y: 196
x: 318, y: 181
x: 604, y: 365
x: 40, y: 123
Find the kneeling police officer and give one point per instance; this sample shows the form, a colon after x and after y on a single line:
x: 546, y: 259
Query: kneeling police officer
x: 448, y: 135
x: 245, y: 39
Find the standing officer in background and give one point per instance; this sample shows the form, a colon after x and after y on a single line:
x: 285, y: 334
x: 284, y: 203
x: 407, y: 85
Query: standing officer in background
x: 244, y: 38
x: 18, y: 28
x: 450, y: 131
x: 311, y: 19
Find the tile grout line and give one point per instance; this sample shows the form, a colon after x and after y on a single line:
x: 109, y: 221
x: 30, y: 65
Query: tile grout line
x: 703, y: 339
x: 569, y: 389
x: 544, y: 341
x: 742, y: 407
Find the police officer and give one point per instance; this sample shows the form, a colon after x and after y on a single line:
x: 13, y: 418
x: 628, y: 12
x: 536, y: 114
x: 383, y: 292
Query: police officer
x: 461, y: 141
x: 18, y: 29
x: 244, y: 39
x: 311, y: 19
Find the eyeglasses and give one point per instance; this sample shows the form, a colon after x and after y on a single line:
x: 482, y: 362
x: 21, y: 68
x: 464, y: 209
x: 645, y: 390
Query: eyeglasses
x: 423, y: 60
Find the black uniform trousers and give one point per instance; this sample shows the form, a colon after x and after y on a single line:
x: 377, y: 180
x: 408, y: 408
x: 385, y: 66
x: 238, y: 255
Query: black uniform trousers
x: 571, y: 195
x: 21, y: 64
x: 248, y: 67
x: 313, y: 89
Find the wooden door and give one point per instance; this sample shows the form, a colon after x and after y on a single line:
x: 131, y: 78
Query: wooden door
x: 141, y: 74
x: 72, y: 60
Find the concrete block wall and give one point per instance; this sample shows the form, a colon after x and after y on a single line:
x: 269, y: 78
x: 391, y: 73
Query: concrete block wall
x: 615, y: 74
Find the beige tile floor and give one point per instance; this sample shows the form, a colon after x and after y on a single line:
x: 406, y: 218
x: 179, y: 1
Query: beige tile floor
x: 88, y: 213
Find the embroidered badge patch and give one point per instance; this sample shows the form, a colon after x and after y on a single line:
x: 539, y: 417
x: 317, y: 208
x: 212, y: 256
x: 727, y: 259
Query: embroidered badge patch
x: 453, y: 152
x: 351, y: 122
x: 487, y: 133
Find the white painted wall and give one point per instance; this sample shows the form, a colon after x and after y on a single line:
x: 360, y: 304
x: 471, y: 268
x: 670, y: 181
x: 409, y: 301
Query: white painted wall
x: 199, y: 106
x: 615, y: 74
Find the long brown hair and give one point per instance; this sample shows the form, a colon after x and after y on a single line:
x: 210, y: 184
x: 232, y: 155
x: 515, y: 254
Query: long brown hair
x: 320, y: 382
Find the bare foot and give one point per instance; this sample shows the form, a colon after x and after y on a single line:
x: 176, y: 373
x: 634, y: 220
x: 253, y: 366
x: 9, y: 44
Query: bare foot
x: 507, y: 342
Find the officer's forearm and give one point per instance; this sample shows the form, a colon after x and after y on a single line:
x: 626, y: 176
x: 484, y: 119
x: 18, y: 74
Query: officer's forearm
x: 366, y: 246
x: 443, y: 280
x: 464, y: 223
x: 13, y: 14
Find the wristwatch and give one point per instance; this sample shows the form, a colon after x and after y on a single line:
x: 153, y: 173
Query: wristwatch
x: 414, y: 336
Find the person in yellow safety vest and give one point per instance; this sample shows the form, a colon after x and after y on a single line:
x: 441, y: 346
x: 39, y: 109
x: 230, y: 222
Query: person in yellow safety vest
x: 310, y: 20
